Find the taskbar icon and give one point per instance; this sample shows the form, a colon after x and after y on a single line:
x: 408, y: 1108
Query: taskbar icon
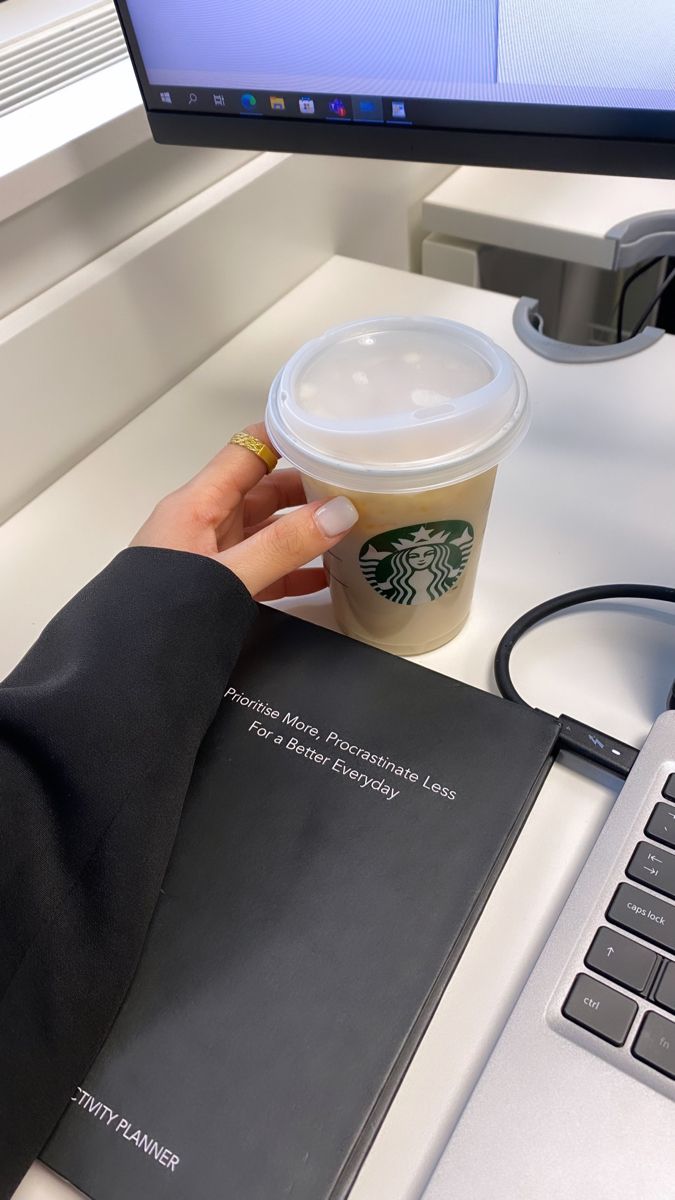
x: 337, y: 108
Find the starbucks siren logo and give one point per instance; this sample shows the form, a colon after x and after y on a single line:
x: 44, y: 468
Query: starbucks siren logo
x: 418, y: 563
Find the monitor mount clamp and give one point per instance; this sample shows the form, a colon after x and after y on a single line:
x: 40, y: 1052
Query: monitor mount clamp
x: 649, y: 235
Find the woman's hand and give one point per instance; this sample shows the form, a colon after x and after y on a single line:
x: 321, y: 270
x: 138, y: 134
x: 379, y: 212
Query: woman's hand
x: 227, y: 512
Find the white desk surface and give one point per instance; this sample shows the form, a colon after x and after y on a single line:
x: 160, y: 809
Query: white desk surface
x: 586, y: 499
x: 543, y: 212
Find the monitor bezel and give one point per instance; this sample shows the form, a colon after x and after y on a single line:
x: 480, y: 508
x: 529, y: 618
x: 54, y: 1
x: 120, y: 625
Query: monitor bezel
x: 598, y: 140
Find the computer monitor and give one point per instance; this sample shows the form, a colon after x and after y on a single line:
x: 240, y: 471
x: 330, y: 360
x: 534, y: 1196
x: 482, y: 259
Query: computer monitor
x: 577, y: 85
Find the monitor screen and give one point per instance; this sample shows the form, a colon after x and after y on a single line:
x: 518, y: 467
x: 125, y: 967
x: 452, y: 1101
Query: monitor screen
x: 415, y: 78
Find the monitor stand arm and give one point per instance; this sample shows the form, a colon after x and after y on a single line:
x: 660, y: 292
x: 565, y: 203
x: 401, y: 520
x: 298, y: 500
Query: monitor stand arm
x: 649, y: 235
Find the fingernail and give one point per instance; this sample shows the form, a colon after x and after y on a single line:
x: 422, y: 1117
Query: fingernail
x: 337, y: 516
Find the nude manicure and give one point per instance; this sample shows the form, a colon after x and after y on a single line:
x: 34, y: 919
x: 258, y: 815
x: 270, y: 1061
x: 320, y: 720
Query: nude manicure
x: 335, y: 517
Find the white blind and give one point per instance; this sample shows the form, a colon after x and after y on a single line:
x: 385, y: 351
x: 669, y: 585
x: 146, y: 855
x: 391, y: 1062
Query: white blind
x: 37, y: 63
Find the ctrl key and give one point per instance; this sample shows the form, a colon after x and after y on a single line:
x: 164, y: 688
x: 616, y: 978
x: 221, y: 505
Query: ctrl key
x: 600, y: 1009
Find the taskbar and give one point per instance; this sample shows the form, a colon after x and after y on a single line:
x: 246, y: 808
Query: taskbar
x: 303, y: 106
x: 561, y: 118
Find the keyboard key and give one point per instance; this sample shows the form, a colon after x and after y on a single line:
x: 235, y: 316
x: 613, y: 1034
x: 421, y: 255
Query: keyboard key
x: 653, y: 867
x: 648, y: 916
x: 600, y: 1009
x: 665, y: 992
x: 655, y: 1044
x: 620, y: 959
x: 669, y: 788
x: 661, y: 824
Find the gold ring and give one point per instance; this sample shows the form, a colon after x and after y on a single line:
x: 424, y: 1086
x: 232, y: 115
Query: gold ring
x: 249, y: 442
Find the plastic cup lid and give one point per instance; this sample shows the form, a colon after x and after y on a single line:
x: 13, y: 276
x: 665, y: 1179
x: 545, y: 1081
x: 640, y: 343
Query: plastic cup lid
x: 397, y: 404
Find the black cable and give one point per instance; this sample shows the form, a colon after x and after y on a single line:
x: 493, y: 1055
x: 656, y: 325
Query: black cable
x: 664, y: 287
x: 666, y: 317
x: 576, y: 736
x: 624, y: 292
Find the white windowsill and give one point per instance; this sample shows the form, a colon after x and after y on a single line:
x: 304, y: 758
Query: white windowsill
x: 58, y: 139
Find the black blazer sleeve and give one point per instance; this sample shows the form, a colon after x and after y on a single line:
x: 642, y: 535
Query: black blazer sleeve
x: 99, y: 729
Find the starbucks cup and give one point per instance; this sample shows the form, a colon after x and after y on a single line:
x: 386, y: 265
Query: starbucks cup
x: 409, y: 417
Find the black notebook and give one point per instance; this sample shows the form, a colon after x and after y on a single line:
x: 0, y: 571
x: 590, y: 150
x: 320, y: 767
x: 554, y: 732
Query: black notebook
x: 348, y: 816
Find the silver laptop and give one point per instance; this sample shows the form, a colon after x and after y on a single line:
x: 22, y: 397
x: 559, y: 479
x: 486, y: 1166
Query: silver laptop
x: 576, y: 1100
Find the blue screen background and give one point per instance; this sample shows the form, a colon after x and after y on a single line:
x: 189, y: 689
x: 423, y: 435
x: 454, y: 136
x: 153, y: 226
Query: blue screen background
x: 612, y: 52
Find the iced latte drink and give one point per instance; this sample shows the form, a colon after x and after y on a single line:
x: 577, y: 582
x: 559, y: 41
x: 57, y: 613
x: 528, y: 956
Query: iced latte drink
x: 408, y: 417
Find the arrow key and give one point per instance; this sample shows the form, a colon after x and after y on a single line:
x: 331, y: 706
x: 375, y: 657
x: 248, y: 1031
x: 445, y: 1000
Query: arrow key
x: 618, y: 958
x: 654, y: 867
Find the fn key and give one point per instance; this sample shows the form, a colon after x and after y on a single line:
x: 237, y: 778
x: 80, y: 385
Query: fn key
x: 655, y: 1043
x: 600, y: 1009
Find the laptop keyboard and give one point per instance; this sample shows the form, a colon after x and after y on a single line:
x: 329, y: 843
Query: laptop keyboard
x: 629, y: 985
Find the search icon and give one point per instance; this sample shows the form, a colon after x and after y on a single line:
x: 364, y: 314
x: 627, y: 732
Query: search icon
x: 192, y: 98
